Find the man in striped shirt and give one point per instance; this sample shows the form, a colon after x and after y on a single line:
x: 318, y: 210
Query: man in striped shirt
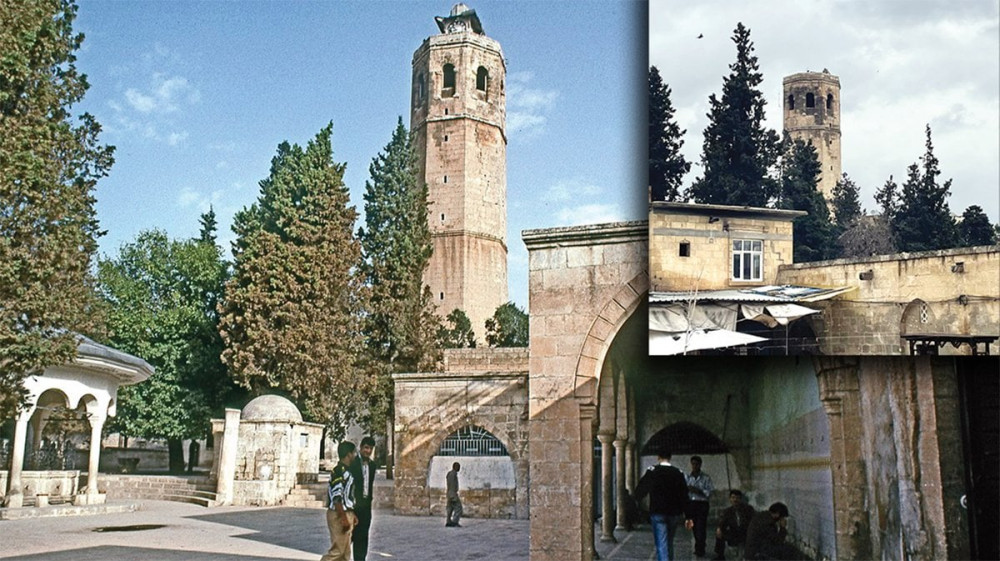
x: 340, y: 518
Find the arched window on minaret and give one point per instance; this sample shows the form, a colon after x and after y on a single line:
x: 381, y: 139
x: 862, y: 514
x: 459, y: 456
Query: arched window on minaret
x: 791, y: 101
x: 829, y: 102
x: 810, y: 100
x: 482, y: 78
x: 421, y: 89
x: 449, y: 77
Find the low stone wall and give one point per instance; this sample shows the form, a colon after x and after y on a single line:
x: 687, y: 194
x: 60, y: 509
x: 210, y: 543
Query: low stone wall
x: 59, y: 485
x: 955, y: 291
x: 153, y: 487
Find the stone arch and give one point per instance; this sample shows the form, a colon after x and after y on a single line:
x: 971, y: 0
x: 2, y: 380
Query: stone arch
x: 684, y: 437
x: 916, y: 313
x: 608, y: 322
x: 448, y: 77
x: 482, y: 79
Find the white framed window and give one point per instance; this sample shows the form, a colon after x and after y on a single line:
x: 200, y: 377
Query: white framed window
x: 748, y: 260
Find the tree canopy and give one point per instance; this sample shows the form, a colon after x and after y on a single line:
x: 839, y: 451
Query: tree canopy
x: 975, y: 228
x: 667, y: 165
x: 457, y: 332
x: 162, y: 296
x: 738, y: 153
x: 293, y: 310
x: 49, y: 167
x: 508, y: 327
x: 813, y: 235
x: 846, y: 203
x: 401, y: 327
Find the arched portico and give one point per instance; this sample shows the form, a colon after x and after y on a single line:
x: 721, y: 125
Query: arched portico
x: 584, y: 284
x: 88, y: 384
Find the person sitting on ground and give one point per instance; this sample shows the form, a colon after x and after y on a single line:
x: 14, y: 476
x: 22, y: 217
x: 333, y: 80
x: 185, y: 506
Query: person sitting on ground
x: 733, y: 524
x: 766, y: 535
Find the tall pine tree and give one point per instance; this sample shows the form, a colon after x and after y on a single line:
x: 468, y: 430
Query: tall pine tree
x: 667, y: 165
x: 292, y: 316
x: 924, y: 221
x: 738, y: 153
x: 814, y: 238
x: 49, y: 167
x: 846, y: 203
x: 401, y: 327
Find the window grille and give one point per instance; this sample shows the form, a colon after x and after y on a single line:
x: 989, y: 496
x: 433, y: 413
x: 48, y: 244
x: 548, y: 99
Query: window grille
x: 472, y: 441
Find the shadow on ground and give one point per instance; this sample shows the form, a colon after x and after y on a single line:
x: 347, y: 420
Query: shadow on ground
x: 121, y: 553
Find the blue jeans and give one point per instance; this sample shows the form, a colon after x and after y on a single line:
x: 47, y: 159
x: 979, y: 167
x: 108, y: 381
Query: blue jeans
x: 664, y: 528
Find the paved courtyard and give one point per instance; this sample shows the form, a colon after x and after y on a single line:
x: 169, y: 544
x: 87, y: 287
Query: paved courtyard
x: 169, y: 531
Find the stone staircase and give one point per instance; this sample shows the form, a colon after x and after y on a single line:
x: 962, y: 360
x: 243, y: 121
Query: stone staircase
x: 199, y: 490
x: 311, y: 492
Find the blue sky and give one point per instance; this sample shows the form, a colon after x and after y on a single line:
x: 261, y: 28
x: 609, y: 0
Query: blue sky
x: 197, y: 95
x: 902, y: 65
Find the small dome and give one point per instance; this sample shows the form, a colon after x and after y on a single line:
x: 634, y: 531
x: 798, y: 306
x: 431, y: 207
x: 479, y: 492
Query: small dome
x: 271, y: 408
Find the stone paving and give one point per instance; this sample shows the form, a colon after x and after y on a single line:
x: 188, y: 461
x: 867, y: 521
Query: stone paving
x: 183, y: 532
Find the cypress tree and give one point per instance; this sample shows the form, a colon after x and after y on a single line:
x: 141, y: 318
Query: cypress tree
x: 49, y: 167
x: 292, y: 316
x: 738, y: 152
x: 975, y: 228
x: 924, y: 221
x: 846, y: 203
x: 667, y: 165
x: 401, y: 327
x: 814, y: 237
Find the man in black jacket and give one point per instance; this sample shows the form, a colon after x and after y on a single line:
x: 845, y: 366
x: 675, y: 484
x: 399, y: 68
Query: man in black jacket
x: 668, y: 501
x: 733, y: 524
x: 363, y: 469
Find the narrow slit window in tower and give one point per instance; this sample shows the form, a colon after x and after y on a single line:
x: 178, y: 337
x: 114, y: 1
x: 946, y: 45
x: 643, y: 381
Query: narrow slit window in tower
x: 421, y: 88
x: 482, y: 78
x: 810, y: 100
x: 829, y: 102
x: 441, y: 297
x: 446, y: 179
x: 449, y: 76
x: 791, y: 101
x: 446, y: 138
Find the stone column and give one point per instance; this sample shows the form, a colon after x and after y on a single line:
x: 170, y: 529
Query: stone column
x: 630, y: 466
x: 607, y: 521
x: 588, y: 423
x: 620, y: 483
x: 96, y: 424
x: 227, y: 457
x: 15, y: 497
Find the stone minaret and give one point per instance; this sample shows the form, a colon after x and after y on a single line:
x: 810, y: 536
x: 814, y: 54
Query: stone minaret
x: 458, y: 113
x: 812, y: 112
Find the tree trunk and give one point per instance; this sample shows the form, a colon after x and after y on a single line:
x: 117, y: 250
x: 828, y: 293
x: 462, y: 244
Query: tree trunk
x: 175, y: 447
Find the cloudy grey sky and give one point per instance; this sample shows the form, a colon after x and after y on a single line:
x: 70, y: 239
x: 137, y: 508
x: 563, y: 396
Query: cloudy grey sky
x: 902, y: 64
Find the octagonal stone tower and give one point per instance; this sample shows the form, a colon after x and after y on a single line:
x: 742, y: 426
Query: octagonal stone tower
x: 458, y: 113
x: 812, y: 112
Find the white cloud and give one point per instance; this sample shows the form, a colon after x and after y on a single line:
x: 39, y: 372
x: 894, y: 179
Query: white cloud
x: 594, y: 213
x: 570, y: 189
x: 527, y: 107
x: 192, y: 198
x: 176, y: 138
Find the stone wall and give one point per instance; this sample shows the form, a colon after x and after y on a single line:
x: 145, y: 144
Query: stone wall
x: 585, y: 283
x: 790, y: 453
x: 708, y: 231
x: 950, y: 291
x: 479, y: 387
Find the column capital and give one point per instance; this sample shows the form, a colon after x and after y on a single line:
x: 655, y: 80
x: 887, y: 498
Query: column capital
x: 605, y: 437
x: 619, y: 443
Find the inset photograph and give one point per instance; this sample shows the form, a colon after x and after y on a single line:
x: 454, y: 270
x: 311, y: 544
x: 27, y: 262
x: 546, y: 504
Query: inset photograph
x: 818, y: 188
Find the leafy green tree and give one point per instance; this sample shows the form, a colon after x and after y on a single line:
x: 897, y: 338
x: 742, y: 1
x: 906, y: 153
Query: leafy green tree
x: 508, y: 327
x: 162, y: 297
x: 49, y: 167
x: 667, y: 165
x: 975, y: 228
x: 814, y: 237
x: 292, y: 313
x: 846, y: 203
x: 924, y: 221
x: 457, y: 332
x: 401, y: 326
x: 738, y: 153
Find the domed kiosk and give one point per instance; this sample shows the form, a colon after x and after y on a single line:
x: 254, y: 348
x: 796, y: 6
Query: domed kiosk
x: 263, y: 450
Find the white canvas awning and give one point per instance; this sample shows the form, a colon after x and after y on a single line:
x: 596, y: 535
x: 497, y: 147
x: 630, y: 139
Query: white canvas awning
x: 663, y: 343
x: 773, y: 315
